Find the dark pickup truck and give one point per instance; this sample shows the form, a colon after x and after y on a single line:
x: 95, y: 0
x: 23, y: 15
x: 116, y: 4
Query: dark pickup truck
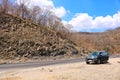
x: 97, y: 57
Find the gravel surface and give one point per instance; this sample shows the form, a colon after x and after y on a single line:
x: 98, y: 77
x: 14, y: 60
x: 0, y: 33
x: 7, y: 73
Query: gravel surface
x: 70, y: 71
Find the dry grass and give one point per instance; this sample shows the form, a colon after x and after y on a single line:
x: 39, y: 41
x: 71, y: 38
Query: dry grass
x: 109, y: 40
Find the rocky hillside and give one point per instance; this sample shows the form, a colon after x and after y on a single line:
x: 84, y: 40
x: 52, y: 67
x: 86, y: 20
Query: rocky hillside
x: 109, y: 40
x: 23, y: 38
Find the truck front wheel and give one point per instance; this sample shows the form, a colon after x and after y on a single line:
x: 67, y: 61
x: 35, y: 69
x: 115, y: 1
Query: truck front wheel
x: 87, y: 62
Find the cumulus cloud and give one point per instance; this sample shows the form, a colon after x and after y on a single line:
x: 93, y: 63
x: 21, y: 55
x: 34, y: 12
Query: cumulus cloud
x: 60, y: 11
x: 85, y: 22
x: 81, y: 21
x: 40, y: 3
x: 47, y: 4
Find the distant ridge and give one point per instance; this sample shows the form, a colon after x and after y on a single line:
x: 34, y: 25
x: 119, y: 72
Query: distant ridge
x: 108, y: 40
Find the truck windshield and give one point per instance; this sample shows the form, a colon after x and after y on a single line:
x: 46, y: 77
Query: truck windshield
x: 94, y: 54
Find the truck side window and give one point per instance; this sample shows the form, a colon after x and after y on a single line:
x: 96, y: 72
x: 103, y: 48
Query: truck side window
x: 100, y: 53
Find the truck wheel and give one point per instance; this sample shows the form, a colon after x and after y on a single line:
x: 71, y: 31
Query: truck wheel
x: 87, y: 63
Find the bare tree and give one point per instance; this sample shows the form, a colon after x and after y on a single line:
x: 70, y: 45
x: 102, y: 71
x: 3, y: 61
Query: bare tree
x: 43, y: 17
x: 4, y: 6
x: 33, y: 14
x: 0, y: 6
x: 15, y: 10
x: 22, y: 8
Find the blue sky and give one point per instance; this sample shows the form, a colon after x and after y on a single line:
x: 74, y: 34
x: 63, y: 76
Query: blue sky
x: 85, y: 15
x: 103, y: 14
x: 92, y: 7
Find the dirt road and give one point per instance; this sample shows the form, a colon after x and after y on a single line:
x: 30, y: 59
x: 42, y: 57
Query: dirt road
x: 70, y: 71
x: 6, y: 67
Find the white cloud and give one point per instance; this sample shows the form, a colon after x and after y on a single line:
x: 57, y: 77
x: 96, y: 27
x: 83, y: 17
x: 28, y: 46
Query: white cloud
x: 81, y: 21
x: 116, y: 19
x: 60, y: 11
x: 47, y: 4
x: 84, y: 22
x: 40, y: 3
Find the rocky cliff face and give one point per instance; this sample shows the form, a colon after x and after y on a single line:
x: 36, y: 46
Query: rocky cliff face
x: 23, y: 38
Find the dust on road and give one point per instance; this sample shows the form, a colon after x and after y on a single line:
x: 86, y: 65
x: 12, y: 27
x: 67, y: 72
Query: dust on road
x: 72, y: 71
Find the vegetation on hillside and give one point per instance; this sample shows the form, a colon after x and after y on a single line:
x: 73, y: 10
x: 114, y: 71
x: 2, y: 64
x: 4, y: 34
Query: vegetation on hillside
x: 109, y: 41
x: 26, y: 32
x: 23, y: 38
x: 32, y: 33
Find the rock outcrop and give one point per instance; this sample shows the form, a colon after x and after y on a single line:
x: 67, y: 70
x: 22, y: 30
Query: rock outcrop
x: 24, y: 38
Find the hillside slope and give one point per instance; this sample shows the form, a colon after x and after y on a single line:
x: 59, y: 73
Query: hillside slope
x: 109, y: 40
x: 23, y: 38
